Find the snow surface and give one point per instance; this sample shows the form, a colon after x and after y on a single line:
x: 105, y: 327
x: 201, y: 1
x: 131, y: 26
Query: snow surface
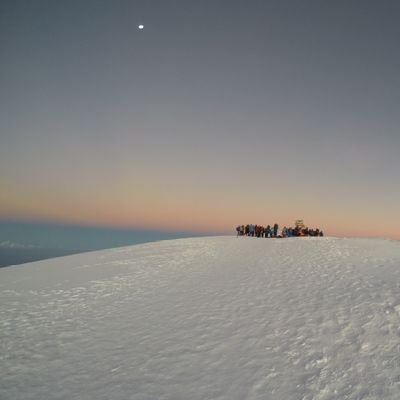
x: 205, y: 318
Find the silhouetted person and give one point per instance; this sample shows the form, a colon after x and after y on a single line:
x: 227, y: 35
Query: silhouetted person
x: 276, y: 230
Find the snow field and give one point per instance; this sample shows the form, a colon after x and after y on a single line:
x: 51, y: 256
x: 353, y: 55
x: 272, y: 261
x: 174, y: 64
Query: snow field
x: 206, y: 318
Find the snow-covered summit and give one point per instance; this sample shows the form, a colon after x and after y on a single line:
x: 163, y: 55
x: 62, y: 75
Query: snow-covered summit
x: 205, y: 318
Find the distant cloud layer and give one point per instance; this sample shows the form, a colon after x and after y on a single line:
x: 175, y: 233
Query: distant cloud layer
x: 12, y: 245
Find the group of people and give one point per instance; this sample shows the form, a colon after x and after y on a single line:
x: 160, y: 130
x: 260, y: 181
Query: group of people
x: 273, y: 231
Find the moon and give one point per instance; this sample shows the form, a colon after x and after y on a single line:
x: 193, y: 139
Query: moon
x: 141, y: 27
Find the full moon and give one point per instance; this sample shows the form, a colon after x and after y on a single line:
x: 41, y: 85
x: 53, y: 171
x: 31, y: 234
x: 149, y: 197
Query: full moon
x: 141, y: 26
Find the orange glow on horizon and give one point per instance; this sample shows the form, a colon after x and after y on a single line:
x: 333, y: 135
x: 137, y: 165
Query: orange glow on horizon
x: 222, y: 225
x: 194, y: 211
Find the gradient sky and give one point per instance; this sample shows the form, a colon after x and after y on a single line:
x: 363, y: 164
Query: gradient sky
x: 216, y: 113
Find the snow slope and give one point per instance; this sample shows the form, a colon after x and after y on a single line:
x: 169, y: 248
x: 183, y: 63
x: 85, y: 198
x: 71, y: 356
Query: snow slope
x: 205, y: 318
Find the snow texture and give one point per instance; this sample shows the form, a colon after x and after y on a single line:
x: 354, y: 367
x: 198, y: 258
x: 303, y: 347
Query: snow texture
x: 205, y: 318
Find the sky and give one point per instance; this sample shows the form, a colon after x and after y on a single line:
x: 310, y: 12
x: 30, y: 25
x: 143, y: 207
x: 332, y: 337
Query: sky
x: 217, y: 113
